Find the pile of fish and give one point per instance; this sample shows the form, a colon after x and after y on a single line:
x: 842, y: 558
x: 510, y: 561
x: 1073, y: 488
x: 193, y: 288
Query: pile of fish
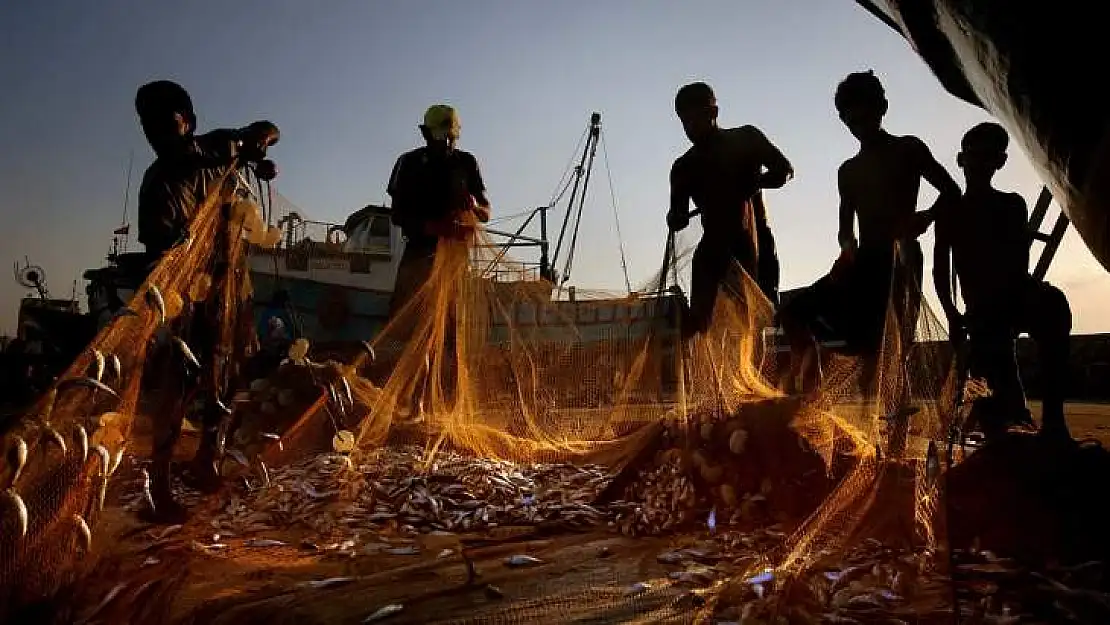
x: 870, y: 584
x: 992, y: 589
x: 748, y: 468
x: 391, y: 489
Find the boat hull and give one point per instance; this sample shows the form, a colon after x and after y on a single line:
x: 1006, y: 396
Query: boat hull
x: 1036, y: 69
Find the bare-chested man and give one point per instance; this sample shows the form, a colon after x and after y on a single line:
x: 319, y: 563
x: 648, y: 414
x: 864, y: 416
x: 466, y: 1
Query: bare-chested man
x: 988, y: 239
x: 723, y: 173
x: 879, y: 187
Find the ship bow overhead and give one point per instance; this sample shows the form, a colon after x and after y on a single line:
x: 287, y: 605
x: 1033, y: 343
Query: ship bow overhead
x: 1038, y: 68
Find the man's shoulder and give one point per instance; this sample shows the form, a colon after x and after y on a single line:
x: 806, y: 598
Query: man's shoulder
x: 745, y: 131
x: 848, y: 167
x: 412, y: 155
x: 464, y: 157
x: 683, y: 161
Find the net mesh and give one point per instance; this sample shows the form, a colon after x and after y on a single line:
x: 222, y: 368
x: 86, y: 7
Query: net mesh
x: 493, y: 378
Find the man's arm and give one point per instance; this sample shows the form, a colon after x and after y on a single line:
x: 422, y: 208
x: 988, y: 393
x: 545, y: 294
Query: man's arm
x: 936, y: 175
x: 942, y: 271
x: 779, y: 171
x: 400, y: 214
x: 678, y: 216
x: 477, y: 188
x: 846, y: 234
x: 1020, y: 217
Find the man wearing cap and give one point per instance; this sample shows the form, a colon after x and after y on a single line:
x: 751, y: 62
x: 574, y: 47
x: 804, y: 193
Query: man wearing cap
x: 724, y: 173
x: 437, y: 192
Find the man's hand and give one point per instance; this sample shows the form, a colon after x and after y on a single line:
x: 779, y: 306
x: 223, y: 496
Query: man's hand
x: 266, y: 170
x: 917, y: 224
x: 257, y: 137
x: 678, y: 221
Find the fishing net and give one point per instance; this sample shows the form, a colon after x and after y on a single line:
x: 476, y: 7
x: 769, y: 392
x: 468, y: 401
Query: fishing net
x: 484, y: 406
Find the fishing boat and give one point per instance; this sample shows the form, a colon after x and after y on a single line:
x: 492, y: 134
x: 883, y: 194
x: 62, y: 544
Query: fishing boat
x: 338, y: 278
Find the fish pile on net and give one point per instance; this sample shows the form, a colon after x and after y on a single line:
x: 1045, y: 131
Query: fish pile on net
x: 331, y: 496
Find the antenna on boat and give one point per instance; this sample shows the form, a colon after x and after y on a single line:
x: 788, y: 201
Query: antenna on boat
x: 120, y: 235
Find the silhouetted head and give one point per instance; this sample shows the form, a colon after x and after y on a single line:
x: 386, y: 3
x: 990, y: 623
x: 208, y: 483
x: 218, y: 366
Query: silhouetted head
x: 861, y: 103
x: 696, y: 106
x: 441, y: 127
x: 983, y: 152
x: 165, y: 113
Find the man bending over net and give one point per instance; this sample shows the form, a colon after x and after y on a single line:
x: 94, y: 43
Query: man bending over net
x: 987, y: 238
x: 723, y: 173
x: 879, y: 187
x: 437, y: 193
x: 183, y: 175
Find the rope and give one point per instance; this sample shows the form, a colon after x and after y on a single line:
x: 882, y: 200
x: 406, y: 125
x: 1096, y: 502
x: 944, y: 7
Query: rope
x: 616, y: 216
x: 565, y: 179
x: 267, y: 200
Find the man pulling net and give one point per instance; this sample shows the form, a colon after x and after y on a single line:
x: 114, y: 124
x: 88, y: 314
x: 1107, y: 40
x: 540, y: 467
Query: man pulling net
x: 187, y: 170
x: 438, y: 195
x: 724, y: 173
x: 878, y: 186
x: 987, y: 237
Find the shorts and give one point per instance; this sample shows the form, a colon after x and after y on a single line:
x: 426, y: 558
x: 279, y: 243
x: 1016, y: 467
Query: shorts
x: 709, y: 271
x: 851, y: 305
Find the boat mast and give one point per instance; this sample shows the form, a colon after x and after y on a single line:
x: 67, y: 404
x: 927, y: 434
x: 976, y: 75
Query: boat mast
x: 120, y: 235
x: 581, y: 183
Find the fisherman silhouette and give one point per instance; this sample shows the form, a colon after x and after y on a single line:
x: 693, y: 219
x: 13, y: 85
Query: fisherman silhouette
x: 986, y: 236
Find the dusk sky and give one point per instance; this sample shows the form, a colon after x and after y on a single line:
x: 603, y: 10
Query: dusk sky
x: 348, y: 81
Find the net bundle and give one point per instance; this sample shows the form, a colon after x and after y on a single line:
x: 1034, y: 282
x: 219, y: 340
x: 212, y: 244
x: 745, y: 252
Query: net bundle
x: 477, y: 375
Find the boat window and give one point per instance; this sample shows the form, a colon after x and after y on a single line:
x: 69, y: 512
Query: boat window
x: 379, y: 226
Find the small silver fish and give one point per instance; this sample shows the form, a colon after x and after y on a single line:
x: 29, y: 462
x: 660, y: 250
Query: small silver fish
x: 190, y: 357
x: 274, y: 437
x: 155, y: 300
x: 112, y: 594
x: 383, y: 613
x: 105, y: 459
x: 402, y: 551
x: 86, y: 382
x: 326, y: 583
x: 98, y: 365
x: 265, y: 542
x: 369, y: 350
x: 50, y: 435
x: 522, y: 560
x: 222, y: 406
x: 347, y: 391
x: 638, y: 588
x: 20, y: 511
x: 17, y: 456
x: 264, y: 473
x: 147, y: 496
x: 103, y: 494
x: 84, y: 534
x: 82, y: 442
x: 116, y: 460
x: 117, y: 367
x: 238, y: 457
